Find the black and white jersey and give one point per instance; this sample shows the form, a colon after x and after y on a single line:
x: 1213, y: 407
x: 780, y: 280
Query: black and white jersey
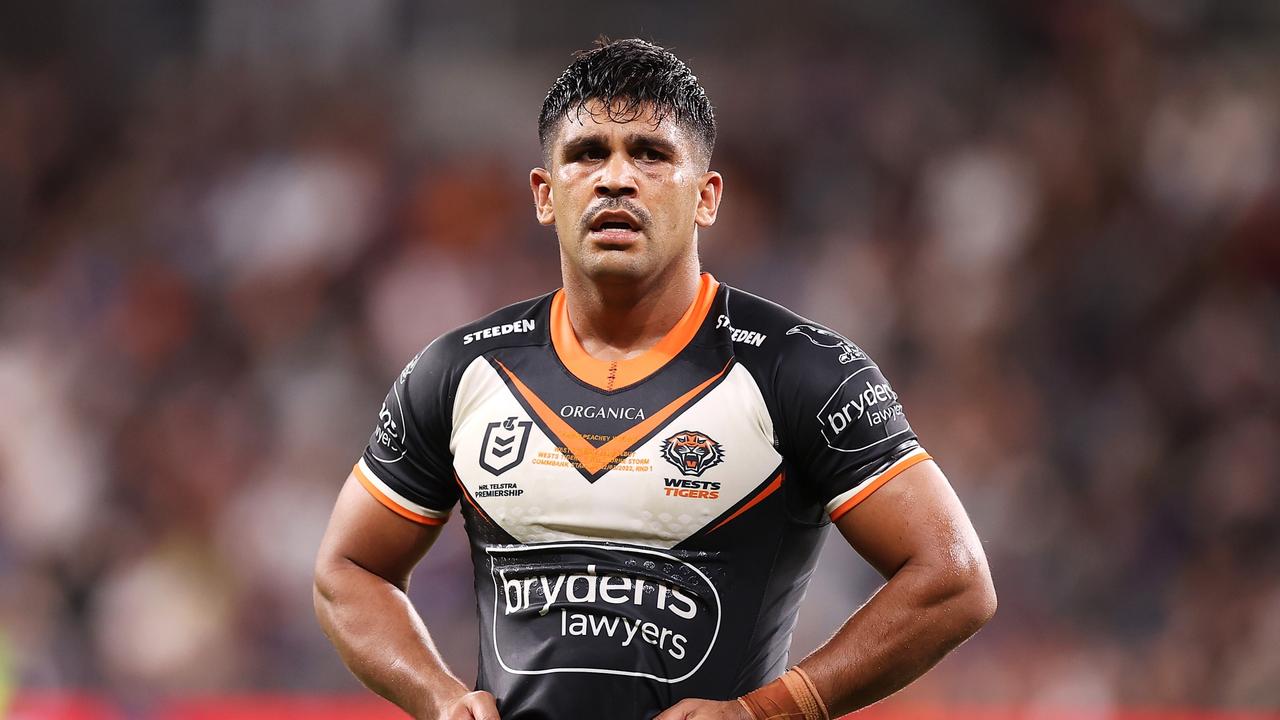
x: 642, y: 530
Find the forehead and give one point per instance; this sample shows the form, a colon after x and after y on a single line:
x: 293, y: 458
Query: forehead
x: 620, y: 120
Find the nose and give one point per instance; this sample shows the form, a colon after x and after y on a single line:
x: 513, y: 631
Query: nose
x: 617, y: 178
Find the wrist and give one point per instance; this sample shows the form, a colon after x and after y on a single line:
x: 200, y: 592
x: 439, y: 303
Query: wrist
x: 436, y: 702
x: 792, y: 695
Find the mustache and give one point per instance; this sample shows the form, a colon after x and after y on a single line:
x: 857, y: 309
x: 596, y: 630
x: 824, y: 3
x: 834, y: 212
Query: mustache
x: 613, y: 203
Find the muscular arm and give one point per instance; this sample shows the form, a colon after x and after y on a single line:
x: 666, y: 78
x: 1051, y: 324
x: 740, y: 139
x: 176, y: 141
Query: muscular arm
x: 939, y: 592
x: 916, y: 534
x: 361, y: 576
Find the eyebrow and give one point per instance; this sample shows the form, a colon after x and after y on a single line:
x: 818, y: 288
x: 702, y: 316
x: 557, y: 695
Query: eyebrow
x: 650, y: 141
x: 647, y: 140
x: 584, y: 142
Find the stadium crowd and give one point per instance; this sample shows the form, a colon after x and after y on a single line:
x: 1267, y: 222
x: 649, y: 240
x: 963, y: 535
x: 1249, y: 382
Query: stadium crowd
x: 224, y: 227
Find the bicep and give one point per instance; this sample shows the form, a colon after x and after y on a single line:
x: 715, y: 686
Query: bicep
x: 364, y: 532
x: 915, y: 517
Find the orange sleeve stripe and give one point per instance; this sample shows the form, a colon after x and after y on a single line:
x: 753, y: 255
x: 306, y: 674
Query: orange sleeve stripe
x: 893, y: 471
x: 392, y: 505
x: 766, y: 492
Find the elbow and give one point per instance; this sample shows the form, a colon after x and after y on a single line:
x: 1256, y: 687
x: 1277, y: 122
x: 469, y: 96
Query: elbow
x: 323, y: 590
x: 982, y: 603
x: 321, y: 596
x: 328, y: 595
x: 974, y: 599
x: 960, y: 587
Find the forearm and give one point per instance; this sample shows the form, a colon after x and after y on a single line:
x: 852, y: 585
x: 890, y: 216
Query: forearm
x: 382, y: 639
x: 918, y: 617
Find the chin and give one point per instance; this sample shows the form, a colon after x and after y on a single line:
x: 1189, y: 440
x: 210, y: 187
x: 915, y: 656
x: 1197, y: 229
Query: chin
x: 617, y: 267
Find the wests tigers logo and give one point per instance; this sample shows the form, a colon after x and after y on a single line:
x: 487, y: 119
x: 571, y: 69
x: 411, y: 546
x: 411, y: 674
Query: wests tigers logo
x: 692, y: 452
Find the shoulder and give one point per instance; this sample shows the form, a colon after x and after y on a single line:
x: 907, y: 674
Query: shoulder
x: 521, y: 323
x: 518, y: 324
x: 438, y: 367
x: 824, y: 388
x: 766, y: 333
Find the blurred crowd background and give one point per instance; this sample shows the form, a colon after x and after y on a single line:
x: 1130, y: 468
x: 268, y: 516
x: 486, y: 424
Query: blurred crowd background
x: 225, y: 227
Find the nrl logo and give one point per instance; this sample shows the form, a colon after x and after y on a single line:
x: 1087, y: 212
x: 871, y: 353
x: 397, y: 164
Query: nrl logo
x: 692, y: 452
x: 504, y: 444
x: 823, y: 337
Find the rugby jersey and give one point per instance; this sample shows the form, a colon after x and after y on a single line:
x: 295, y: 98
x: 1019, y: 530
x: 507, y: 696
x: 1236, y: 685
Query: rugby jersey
x: 641, y: 530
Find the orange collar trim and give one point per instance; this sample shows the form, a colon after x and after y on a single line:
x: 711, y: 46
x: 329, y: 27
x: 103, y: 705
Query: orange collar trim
x: 613, y: 374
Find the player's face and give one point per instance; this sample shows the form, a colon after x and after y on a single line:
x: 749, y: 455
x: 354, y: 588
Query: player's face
x: 626, y: 198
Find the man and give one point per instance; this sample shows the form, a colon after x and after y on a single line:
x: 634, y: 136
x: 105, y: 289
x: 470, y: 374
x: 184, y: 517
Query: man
x: 646, y: 461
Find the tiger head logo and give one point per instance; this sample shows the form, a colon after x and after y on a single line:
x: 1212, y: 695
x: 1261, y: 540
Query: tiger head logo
x: 692, y: 452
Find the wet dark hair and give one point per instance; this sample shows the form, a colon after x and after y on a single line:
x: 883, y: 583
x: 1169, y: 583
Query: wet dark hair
x: 627, y: 77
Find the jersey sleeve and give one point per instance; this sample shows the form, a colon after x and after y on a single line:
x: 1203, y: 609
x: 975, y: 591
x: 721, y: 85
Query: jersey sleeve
x: 842, y: 425
x: 407, y: 465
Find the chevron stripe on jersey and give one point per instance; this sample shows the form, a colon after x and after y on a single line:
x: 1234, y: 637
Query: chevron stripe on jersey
x: 629, y: 492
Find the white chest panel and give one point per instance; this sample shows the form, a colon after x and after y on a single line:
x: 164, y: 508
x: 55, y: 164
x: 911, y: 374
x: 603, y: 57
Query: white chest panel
x: 517, y: 474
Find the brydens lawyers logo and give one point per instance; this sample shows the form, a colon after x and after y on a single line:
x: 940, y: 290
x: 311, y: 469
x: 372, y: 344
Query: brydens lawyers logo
x: 388, y: 441
x: 862, y: 412
x: 607, y: 609
x: 692, y: 452
x: 504, y: 444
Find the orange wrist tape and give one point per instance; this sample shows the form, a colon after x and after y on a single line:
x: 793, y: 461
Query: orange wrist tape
x: 792, y: 696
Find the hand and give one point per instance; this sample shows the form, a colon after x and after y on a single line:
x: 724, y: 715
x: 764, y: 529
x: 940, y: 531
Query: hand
x: 694, y: 709
x: 478, y: 705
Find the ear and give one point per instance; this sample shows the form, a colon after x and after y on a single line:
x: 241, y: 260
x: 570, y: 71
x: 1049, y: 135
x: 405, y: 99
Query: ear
x: 540, y: 184
x: 708, y: 199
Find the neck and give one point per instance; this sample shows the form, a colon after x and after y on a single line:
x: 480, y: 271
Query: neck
x: 617, y: 319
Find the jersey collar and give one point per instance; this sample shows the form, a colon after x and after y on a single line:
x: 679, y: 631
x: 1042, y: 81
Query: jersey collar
x: 609, y: 375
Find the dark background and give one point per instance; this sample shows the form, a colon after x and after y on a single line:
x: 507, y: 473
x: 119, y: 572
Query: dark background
x: 225, y: 226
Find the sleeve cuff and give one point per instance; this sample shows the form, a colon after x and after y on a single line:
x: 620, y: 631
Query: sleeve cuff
x: 848, y: 500
x: 394, y: 501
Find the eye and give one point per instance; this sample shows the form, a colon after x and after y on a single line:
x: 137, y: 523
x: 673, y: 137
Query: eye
x: 591, y: 154
x: 649, y: 155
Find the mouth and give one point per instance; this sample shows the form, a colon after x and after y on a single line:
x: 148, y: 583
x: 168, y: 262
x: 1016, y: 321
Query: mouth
x: 615, y: 227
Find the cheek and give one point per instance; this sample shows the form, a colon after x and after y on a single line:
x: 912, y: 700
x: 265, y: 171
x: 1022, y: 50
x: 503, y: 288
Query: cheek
x: 681, y: 199
x: 569, y: 185
x: 566, y: 203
